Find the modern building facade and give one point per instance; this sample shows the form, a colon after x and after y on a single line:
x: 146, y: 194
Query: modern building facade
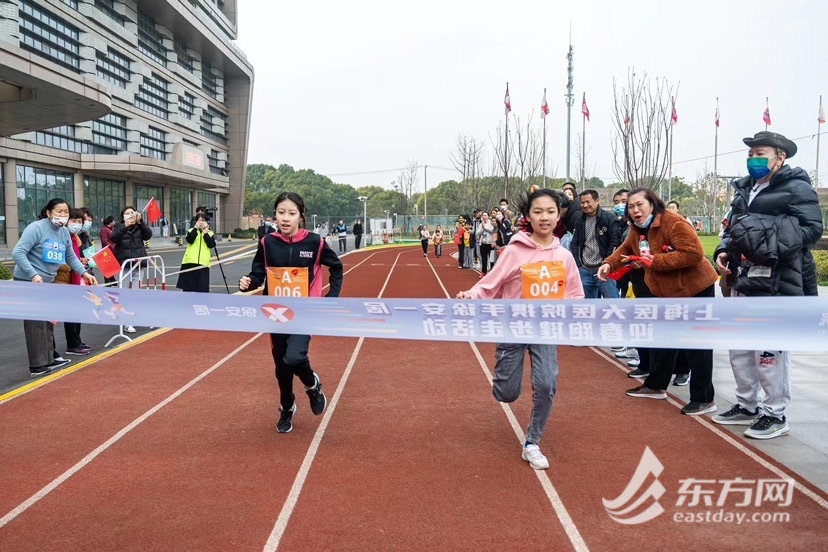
x: 108, y: 103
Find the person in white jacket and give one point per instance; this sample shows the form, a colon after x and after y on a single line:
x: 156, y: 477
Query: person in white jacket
x: 534, y: 266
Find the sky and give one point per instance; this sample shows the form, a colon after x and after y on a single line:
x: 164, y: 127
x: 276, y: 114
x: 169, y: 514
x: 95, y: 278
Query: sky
x: 354, y: 89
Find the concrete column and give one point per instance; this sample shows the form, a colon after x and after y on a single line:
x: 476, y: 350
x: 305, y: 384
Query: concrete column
x: 80, y: 190
x: 10, y: 183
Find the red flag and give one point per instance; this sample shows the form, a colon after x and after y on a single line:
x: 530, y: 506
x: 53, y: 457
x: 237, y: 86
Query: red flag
x: 507, y: 101
x: 766, y: 116
x: 584, y: 108
x: 673, y: 115
x: 627, y: 119
x: 153, y: 211
x: 717, y: 112
x: 544, y: 107
x: 107, y: 262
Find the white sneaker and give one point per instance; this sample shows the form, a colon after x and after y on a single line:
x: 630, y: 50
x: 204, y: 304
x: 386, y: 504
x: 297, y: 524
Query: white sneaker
x: 130, y: 329
x: 533, y: 455
x: 628, y: 352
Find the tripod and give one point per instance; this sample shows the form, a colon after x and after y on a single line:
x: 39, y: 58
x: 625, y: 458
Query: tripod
x: 215, y: 249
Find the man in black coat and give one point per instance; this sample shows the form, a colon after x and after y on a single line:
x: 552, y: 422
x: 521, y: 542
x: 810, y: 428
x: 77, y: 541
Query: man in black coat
x: 595, y: 236
x: 357, y: 231
x: 775, y: 219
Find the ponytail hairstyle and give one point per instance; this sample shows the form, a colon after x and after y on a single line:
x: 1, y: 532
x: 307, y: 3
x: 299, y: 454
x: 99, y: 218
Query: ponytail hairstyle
x: 295, y: 198
x: 524, y: 202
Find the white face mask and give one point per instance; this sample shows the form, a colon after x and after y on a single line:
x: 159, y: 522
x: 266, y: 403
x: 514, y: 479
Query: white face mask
x: 60, y: 221
x: 87, y: 226
x: 75, y: 228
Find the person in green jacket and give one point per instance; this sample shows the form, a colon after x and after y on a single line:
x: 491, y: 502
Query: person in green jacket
x: 195, y: 266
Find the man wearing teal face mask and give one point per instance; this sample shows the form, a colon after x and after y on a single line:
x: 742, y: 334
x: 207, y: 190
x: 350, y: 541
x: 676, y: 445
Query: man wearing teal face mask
x: 775, y: 199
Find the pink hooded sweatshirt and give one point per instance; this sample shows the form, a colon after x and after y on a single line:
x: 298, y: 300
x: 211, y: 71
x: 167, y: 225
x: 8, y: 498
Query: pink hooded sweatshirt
x: 504, y: 280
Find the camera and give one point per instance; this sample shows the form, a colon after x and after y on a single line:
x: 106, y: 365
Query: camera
x: 208, y: 212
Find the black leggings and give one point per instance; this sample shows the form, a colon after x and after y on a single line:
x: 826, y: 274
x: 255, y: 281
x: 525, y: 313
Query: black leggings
x: 485, y: 253
x: 663, y: 364
x: 424, y: 243
x: 290, y: 353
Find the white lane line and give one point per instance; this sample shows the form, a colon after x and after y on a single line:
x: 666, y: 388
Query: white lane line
x: 554, y: 498
x: 733, y: 441
x: 282, y: 521
x: 32, y: 500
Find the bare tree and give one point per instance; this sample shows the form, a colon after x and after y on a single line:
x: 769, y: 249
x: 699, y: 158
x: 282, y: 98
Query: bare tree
x: 584, y: 171
x: 641, y: 113
x: 528, y: 147
x: 502, y: 160
x: 408, y: 178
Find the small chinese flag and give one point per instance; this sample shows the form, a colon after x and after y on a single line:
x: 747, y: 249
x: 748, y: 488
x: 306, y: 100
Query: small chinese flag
x: 107, y: 262
x: 584, y: 108
x: 507, y: 101
x: 153, y: 211
x: 674, y: 114
x: 544, y: 106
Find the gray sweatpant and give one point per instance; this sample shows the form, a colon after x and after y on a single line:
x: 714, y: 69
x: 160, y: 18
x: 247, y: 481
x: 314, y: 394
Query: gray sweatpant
x: 769, y: 371
x: 508, y: 380
x: 40, y: 342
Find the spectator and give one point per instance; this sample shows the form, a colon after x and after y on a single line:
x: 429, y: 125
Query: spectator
x: 263, y: 229
x: 195, y: 265
x: 128, y: 236
x: 105, y: 235
x: 357, y: 231
x: 74, y: 344
x: 774, y: 201
x: 595, y: 236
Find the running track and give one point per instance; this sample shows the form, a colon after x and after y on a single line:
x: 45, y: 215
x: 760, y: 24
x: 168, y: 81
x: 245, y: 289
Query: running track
x: 171, y: 445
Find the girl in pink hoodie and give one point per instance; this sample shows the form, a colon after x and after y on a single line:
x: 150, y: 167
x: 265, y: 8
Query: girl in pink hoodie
x: 532, y: 266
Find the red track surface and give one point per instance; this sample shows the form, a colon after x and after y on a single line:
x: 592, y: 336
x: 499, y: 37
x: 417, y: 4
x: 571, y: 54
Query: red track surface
x: 415, y: 452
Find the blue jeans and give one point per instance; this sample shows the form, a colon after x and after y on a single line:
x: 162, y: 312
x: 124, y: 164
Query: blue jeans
x: 595, y: 288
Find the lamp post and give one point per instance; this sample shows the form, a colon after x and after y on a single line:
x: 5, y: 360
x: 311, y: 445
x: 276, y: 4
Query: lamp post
x: 364, y: 200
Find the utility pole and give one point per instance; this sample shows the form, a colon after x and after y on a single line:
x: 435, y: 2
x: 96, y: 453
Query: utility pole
x: 570, y: 100
x: 425, y: 194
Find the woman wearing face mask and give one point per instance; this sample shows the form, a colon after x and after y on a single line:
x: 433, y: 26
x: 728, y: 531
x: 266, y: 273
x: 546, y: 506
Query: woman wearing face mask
x: 485, y: 237
x: 74, y: 344
x: 128, y: 236
x: 105, y: 234
x: 676, y: 267
x: 43, y: 247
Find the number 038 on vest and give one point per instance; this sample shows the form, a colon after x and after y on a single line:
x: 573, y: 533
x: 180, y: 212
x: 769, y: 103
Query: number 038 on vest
x: 287, y: 281
x: 544, y: 280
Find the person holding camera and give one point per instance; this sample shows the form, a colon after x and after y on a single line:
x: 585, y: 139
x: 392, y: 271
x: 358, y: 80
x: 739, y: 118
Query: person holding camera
x: 195, y: 266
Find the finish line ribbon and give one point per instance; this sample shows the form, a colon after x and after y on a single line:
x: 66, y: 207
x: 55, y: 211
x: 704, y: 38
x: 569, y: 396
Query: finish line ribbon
x: 763, y: 323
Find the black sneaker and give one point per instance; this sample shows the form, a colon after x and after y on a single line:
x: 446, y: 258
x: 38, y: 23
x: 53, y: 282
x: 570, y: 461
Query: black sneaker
x: 694, y: 408
x: 638, y: 374
x: 681, y: 379
x: 40, y: 371
x: 318, y: 401
x: 285, y: 423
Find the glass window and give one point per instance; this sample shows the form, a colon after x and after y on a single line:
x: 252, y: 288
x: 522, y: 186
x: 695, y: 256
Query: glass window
x: 209, y: 83
x: 215, y: 164
x: 186, y: 105
x: 154, y: 144
x: 2, y: 205
x: 108, y: 7
x: 62, y: 137
x: 71, y: 3
x: 109, y: 134
x: 103, y: 197
x: 150, y: 41
x: 181, y: 210
x: 114, y: 68
x: 49, y: 36
x: 185, y: 60
x: 207, y: 128
x: 36, y: 187
x: 153, y: 96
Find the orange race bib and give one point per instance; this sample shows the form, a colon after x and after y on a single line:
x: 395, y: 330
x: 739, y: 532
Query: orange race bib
x: 544, y: 280
x: 287, y: 281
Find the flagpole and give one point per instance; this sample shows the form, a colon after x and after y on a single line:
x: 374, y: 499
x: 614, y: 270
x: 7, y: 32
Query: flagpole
x: 583, y: 151
x: 819, y: 124
x: 506, y: 152
x: 544, y: 141
x: 716, y: 161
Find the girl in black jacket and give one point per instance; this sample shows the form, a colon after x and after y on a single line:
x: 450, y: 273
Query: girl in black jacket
x: 304, y: 253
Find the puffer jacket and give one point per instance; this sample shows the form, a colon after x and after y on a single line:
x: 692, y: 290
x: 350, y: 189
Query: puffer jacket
x: 788, y: 197
x: 129, y: 240
x: 773, y: 243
